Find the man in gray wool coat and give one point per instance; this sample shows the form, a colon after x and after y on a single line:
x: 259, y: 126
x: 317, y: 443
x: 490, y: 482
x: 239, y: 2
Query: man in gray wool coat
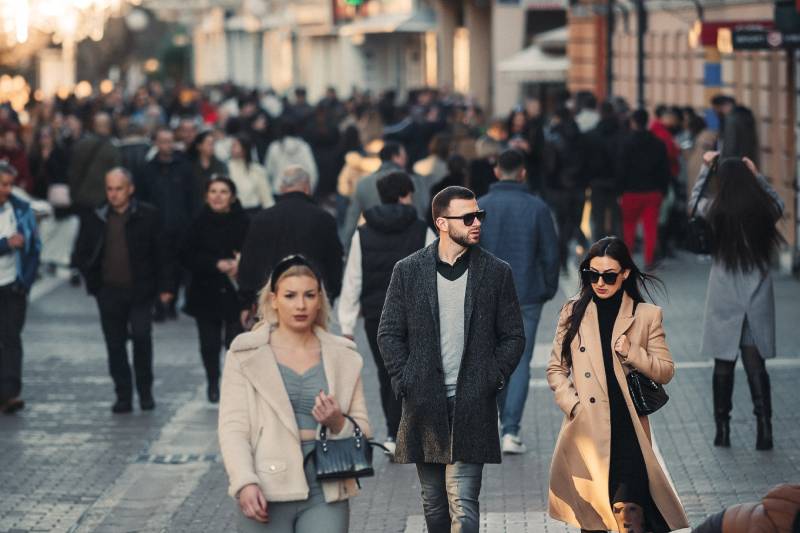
x: 451, y: 335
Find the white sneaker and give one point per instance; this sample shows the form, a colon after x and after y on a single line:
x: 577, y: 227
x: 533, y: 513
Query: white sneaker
x: 513, y: 444
x: 391, y: 445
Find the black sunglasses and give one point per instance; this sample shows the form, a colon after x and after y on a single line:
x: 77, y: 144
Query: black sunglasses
x: 469, y: 218
x: 593, y: 276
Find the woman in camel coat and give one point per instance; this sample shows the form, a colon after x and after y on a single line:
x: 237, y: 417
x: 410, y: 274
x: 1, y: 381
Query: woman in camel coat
x: 604, y: 474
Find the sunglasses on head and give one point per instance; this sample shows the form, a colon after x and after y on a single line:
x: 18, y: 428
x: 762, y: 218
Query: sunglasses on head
x: 469, y: 218
x: 593, y: 276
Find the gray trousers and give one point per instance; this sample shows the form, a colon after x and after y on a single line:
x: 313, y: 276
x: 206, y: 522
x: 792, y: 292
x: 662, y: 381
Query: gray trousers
x: 312, y: 515
x: 450, y: 493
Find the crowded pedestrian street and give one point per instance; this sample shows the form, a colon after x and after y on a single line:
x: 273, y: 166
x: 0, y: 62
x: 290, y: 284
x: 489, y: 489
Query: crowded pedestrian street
x: 68, y: 464
x: 400, y: 266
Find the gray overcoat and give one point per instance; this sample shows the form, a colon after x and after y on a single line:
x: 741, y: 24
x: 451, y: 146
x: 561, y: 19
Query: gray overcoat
x: 408, y: 337
x: 733, y: 297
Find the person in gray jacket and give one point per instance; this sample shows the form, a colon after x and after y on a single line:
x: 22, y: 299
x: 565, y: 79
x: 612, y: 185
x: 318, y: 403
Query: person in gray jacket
x: 520, y: 231
x: 740, y: 304
x: 450, y: 335
x: 393, y: 158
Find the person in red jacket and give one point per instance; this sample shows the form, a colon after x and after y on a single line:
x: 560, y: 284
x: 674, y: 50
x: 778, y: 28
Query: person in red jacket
x: 660, y: 127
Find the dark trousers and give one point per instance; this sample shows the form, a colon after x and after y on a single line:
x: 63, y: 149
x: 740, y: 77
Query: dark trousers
x: 392, y: 407
x: 567, y: 206
x: 13, y: 304
x: 213, y: 332
x: 606, y: 217
x: 450, y: 493
x: 123, y: 316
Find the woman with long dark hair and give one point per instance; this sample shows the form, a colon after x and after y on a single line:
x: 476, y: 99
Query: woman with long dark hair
x: 603, y: 334
x: 204, y: 163
x: 211, y: 254
x: 740, y: 305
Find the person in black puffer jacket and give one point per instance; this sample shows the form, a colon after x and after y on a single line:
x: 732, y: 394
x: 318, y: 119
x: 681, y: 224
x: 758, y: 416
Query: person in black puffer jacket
x: 211, y: 255
x: 392, y: 231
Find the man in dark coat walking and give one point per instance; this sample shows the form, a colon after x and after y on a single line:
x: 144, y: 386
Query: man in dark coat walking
x: 294, y: 225
x: 451, y: 335
x: 123, y: 257
x: 167, y: 183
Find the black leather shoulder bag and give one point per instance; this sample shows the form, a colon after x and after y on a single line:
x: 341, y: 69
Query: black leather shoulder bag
x: 647, y: 395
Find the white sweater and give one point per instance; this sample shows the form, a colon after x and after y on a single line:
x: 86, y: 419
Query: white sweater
x: 290, y: 151
x: 252, y: 188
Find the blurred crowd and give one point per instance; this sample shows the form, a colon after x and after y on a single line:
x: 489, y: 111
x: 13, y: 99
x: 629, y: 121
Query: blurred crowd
x: 595, y: 163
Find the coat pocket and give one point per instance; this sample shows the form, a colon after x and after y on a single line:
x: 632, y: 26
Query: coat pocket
x: 271, y: 466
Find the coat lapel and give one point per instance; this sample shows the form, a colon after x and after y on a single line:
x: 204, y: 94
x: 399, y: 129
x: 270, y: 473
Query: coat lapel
x: 477, y: 264
x: 624, y: 319
x: 261, y: 369
x: 429, y: 281
x: 329, y: 364
x: 590, y: 338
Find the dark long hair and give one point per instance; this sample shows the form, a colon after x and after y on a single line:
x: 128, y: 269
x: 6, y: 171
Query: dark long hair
x: 637, y: 281
x: 742, y: 218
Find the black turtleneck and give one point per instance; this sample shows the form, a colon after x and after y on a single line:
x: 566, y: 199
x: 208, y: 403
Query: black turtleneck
x: 607, y: 311
x: 627, y: 473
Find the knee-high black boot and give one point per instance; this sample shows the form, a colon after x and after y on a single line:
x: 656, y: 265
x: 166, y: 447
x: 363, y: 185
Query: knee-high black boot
x: 723, y: 400
x: 761, y: 393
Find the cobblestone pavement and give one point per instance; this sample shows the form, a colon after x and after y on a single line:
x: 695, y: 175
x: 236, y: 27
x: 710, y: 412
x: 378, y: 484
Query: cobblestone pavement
x: 67, y: 464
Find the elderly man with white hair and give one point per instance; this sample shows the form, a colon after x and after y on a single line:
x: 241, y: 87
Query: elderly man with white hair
x: 294, y: 225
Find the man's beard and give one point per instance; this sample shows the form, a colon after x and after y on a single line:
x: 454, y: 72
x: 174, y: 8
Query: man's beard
x: 463, y: 240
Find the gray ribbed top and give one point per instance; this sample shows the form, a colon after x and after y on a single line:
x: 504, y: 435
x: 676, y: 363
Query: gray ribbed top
x: 302, y: 390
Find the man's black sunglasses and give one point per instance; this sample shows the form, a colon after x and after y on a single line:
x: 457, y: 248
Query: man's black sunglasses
x: 469, y: 218
x: 593, y: 276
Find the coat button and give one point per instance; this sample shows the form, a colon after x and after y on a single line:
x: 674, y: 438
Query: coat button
x: 588, y: 374
x: 592, y: 400
x: 583, y: 348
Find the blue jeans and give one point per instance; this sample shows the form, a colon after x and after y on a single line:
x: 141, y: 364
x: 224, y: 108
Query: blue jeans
x: 450, y: 492
x: 450, y: 496
x: 511, y: 400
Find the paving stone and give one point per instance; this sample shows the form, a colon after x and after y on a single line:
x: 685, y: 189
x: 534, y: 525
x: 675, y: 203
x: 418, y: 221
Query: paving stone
x: 65, y: 455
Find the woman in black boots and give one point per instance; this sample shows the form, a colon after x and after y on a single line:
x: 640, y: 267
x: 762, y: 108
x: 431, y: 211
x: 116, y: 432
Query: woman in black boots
x: 741, y: 209
x: 211, y: 254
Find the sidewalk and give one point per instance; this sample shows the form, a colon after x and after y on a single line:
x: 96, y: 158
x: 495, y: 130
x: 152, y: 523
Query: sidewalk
x: 69, y: 465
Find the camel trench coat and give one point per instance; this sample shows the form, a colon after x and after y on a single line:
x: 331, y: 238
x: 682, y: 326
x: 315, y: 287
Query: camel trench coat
x: 579, y: 493
x: 258, y: 434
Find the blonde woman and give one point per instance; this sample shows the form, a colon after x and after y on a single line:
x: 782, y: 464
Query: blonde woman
x: 281, y: 383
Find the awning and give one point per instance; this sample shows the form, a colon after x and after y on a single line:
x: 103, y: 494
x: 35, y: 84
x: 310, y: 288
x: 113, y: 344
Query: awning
x: 552, y: 39
x: 416, y: 22
x: 534, y: 65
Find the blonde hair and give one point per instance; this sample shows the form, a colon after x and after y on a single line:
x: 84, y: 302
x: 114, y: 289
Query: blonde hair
x: 267, y: 314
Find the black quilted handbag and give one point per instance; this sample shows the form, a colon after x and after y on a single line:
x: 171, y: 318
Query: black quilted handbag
x: 647, y: 395
x: 343, y: 458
